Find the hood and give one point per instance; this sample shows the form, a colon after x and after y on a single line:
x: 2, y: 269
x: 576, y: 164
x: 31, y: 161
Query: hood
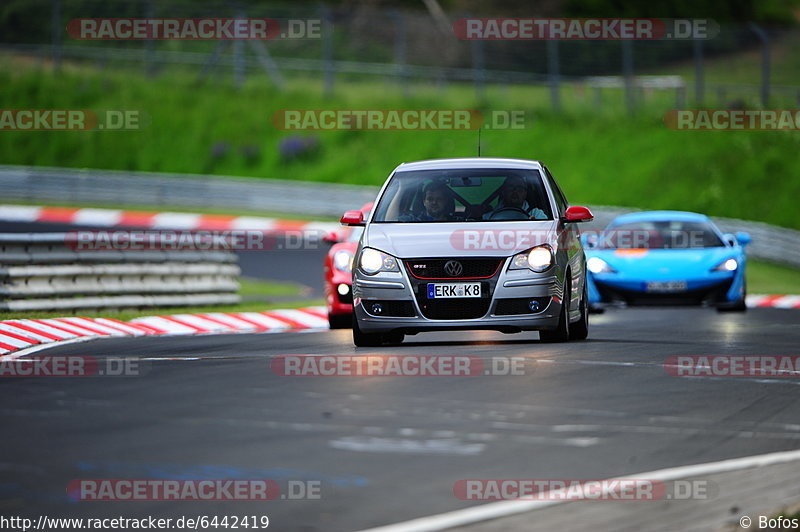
x: 664, y: 263
x: 460, y: 239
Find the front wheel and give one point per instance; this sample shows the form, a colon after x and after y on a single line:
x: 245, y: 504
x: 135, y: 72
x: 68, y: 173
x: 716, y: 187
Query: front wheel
x: 737, y: 306
x: 580, y: 329
x: 362, y: 339
x: 560, y: 333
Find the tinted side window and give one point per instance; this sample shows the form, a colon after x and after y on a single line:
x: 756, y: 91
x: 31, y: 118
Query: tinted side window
x: 561, y: 201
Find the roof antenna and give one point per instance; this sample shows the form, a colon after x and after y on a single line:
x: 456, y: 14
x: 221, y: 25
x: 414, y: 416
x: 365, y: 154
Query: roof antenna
x: 479, y: 141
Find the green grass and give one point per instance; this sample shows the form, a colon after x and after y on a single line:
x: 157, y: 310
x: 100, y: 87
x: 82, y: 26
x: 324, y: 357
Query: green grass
x: 600, y: 157
x: 767, y: 278
x: 256, y: 297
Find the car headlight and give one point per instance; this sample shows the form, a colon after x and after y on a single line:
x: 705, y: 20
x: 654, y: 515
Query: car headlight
x: 343, y: 261
x: 598, y: 265
x: 728, y: 265
x: 537, y: 259
x: 373, y: 261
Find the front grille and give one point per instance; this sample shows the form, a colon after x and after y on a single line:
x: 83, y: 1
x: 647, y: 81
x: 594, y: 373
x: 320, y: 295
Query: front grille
x: 519, y: 305
x: 462, y: 308
x: 435, y: 268
x: 393, y: 308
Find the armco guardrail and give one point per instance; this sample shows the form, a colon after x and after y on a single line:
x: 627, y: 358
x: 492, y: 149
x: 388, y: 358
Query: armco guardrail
x: 42, y: 271
x: 40, y: 184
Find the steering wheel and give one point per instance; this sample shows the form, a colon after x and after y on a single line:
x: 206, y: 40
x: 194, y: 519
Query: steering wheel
x: 509, y: 210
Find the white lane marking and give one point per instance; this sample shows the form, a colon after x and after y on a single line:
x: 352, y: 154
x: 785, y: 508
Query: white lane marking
x: 165, y: 325
x: 176, y: 220
x: 787, y: 302
x: 253, y: 223
x: 19, y: 213
x: 120, y: 326
x: 305, y: 318
x: 103, y: 217
x: 9, y: 327
x: 64, y: 335
x: 231, y: 320
x: 495, y: 510
x: 403, y: 446
x: 265, y: 321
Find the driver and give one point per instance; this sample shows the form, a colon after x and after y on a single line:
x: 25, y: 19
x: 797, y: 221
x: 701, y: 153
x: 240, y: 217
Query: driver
x: 513, y: 195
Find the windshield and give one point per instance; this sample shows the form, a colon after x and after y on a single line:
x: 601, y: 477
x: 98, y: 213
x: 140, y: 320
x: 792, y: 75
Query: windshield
x: 671, y: 234
x: 460, y: 195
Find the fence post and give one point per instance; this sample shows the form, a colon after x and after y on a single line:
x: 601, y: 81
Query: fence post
x: 765, y: 53
x: 149, y: 44
x: 478, y: 64
x: 553, y: 74
x: 699, y: 81
x: 56, y: 28
x: 238, y: 58
x: 627, y: 72
x: 329, y: 69
x: 400, y: 50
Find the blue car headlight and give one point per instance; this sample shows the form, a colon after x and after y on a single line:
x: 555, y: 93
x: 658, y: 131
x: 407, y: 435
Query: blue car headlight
x: 728, y: 265
x: 598, y: 265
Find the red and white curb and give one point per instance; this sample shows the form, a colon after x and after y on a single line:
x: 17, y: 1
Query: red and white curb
x: 774, y: 301
x: 16, y: 335
x: 158, y: 220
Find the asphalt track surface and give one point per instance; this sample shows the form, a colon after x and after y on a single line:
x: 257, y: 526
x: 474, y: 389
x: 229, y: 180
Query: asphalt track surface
x: 388, y: 449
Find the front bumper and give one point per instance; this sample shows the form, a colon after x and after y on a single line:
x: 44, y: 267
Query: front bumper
x: 719, y: 288
x: 504, y: 306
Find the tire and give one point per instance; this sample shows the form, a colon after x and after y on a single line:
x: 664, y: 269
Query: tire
x: 362, y: 339
x: 560, y: 333
x: 340, y: 321
x: 736, y: 306
x: 580, y: 329
x: 394, y: 338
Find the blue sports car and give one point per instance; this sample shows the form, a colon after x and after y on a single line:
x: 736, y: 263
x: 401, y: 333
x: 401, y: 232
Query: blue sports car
x: 666, y: 257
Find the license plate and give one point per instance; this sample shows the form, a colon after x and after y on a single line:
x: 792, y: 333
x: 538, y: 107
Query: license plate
x: 666, y: 286
x: 450, y: 290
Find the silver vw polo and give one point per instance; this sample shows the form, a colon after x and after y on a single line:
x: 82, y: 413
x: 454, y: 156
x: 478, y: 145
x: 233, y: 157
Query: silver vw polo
x: 472, y: 243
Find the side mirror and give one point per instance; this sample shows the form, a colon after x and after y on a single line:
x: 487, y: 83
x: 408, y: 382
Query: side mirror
x: 352, y: 218
x: 743, y: 238
x: 331, y: 238
x: 578, y: 214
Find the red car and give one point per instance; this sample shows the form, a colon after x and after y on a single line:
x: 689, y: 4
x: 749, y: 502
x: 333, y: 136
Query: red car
x: 339, y: 273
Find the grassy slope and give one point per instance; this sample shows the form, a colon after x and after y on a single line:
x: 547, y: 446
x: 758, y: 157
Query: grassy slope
x: 602, y: 158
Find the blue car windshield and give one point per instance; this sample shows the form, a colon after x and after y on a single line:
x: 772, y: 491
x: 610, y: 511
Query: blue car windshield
x: 464, y: 195
x: 672, y: 234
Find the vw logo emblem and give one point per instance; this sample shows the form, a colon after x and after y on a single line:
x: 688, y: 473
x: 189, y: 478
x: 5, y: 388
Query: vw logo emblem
x: 453, y: 268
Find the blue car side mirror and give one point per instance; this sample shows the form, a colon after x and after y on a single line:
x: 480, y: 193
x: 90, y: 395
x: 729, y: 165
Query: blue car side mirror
x: 743, y: 238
